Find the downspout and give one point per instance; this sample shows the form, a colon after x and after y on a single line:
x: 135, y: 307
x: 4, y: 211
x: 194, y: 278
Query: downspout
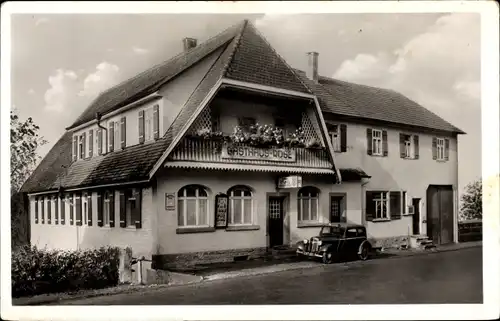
x: 98, y: 117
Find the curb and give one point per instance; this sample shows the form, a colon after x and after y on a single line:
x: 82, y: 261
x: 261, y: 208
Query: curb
x: 50, y: 299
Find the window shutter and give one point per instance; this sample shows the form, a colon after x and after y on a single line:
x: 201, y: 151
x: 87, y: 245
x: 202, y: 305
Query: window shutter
x: 78, y: 209
x: 112, y: 209
x: 75, y: 148
x: 402, y: 145
x: 36, y: 210
x: 124, y: 132
x: 91, y: 142
x: 56, y: 210
x: 100, y: 214
x: 446, y: 149
x: 49, y: 210
x: 370, y: 206
x: 395, y: 205
x: 434, y: 148
x: 343, y: 138
x: 136, y: 214
x: 99, y: 141
x: 123, y: 209
x: 141, y: 126
x: 63, y: 211
x: 415, y: 146
x: 369, y: 141
x: 156, y: 122
x: 385, y: 145
x: 89, y: 209
x: 111, y: 136
x: 43, y: 211
x: 71, y: 210
x: 84, y: 136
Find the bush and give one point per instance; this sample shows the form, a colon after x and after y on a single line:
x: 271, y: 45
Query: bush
x: 36, y: 271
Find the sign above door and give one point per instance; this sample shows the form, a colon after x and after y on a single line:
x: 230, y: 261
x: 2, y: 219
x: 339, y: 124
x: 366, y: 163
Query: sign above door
x: 290, y: 182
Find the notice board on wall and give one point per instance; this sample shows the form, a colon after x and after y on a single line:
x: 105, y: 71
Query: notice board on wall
x: 221, y: 209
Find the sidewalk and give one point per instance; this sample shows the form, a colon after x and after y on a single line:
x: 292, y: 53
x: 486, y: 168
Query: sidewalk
x: 232, y: 270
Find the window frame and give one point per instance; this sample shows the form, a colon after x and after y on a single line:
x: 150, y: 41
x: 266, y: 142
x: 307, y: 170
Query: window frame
x: 231, y: 200
x: 440, y: 146
x: 148, y: 111
x: 384, y: 198
x: 85, y: 209
x: 130, y: 199
x: 117, y: 135
x: 197, y: 198
x: 409, y: 146
x: 106, y: 209
x: 81, y: 149
x: 310, y: 199
x: 377, y: 139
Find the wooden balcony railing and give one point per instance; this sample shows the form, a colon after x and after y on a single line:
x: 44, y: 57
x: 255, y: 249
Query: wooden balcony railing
x: 215, y: 151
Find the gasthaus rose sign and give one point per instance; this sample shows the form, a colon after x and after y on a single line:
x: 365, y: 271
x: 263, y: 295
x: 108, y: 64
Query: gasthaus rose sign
x: 254, y: 153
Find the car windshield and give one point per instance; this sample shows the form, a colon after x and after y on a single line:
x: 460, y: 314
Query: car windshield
x: 332, y: 231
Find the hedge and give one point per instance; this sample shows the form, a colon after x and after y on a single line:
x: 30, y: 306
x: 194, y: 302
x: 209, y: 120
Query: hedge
x: 36, y: 271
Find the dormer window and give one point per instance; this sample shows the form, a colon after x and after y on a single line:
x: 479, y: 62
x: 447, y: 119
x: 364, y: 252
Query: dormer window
x: 148, y: 124
x: 81, y: 146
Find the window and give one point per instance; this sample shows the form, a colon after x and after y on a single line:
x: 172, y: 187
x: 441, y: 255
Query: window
x: 377, y: 147
x: 85, y: 208
x: 308, y: 204
x: 351, y: 232
x: 148, y: 124
x: 440, y: 149
x: 246, y: 122
x: 106, y: 208
x: 408, y: 147
x: 335, y: 137
x: 240, y: 206
x: 81, y: 147
x: 192, y: 206
x: 384, y: 205
x: 381, y: 207
x: 131, y: 207
x: 116, y: 140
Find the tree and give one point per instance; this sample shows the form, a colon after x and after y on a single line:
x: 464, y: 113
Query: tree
x: 24, y: 142
x: 472, y: 207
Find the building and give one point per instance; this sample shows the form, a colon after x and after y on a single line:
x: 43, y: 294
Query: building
x: 177, y: 162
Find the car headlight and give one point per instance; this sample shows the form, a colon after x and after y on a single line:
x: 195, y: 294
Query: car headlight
x: 305, y: 241
x: 319, y: 243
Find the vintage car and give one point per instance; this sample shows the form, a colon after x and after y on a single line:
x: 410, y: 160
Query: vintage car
x: 336, y: 241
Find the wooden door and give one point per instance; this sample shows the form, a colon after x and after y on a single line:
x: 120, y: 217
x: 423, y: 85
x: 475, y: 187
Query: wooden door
x: 440, y: 213
x: 275, y: 215
x: 416, y: 216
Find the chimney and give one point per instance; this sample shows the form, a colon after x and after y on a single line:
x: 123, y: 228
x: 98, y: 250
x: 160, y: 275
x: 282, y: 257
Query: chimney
x: 189, y: 43
x: 312, y: 66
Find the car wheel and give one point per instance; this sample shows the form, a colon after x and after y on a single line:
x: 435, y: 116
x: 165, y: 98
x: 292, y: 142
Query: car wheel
x: 365, y: 251
x: 327, y: 257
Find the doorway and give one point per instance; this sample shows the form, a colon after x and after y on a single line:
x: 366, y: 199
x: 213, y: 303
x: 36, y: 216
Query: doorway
x: 275, y: 219
x: 416, y: 216
x: 440, y: 213
x: 337, y: 208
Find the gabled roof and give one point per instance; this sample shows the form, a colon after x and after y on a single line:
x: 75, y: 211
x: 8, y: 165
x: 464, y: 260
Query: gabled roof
x: 366, y: 102
x: 245, y: 56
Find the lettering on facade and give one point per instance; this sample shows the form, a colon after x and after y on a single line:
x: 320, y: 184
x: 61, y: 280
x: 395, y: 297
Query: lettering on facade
x: 290, y: 182
x: 254, y: 153
x: 221, y: 202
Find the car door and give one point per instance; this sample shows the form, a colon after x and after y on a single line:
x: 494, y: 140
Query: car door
x: 350, y: 241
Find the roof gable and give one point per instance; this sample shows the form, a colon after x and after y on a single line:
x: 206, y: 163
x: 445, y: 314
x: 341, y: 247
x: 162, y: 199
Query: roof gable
x: 256, y: 61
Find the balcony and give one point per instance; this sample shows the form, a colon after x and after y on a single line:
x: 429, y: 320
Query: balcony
x: 220, y: 151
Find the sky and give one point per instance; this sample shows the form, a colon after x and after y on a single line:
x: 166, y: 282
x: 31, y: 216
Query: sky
x: 61, y: 62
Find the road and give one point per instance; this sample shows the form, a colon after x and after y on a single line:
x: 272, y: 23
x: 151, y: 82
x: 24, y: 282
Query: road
x: 447, y: 277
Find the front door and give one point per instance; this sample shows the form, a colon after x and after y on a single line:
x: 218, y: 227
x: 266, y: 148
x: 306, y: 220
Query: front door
x: 440, y: 213
x: 335, y: 209
x: 416, y: 216
x: 275, y: 215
